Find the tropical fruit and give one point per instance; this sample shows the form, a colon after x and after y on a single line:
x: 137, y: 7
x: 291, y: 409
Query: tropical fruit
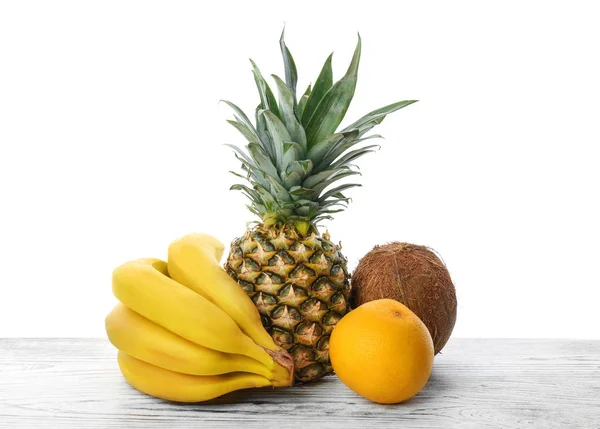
x: 177, y: 344
x: 413, y: 275
x: 382, y: 351
x: 176, y: 386
x: 293, y: 161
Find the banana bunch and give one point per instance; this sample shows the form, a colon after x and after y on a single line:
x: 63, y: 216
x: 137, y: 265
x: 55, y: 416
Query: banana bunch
x: 186, y: 331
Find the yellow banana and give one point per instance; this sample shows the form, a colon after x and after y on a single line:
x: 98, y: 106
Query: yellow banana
x: 194, y: 262
x: 151, y: 343
x: 175, y: 386
x: 144, y: 287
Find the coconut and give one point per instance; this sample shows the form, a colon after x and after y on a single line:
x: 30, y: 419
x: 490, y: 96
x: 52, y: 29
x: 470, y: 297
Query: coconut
x: 413, y: 275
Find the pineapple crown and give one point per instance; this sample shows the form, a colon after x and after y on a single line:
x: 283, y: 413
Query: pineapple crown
x: 294, y: 154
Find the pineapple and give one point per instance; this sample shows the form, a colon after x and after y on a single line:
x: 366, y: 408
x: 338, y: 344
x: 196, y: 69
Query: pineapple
x: 297, y: 278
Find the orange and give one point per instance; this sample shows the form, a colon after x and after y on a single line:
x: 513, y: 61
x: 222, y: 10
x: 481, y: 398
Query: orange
x: 382, y: 351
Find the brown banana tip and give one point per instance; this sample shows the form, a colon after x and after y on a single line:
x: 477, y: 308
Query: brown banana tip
x: 285, y: 365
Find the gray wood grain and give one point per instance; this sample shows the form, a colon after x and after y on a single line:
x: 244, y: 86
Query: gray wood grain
x: 476, y: 383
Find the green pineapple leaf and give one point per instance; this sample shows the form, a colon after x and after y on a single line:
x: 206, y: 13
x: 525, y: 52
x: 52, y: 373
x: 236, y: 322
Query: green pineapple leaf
x: 278, y: 191
x: 293, y: 178
x: 250, y: 193
x: 355, y: 154
x: 255, y: 211
x: 314, y: 180
x: 291, y: 74
x: 288, y: 116
x: 322, y: 85
x: 331, y: 110
x: 299, y: 192
x: 338, y: 189
x: 267, y: 99
x: 253, y: 172
x: 319, y: 150
x: 302, y: 102
x: 325, y: 183
x: 245, y: 122
x: 261, y: 129
x: 240, y: 152
x: 307, y: 209
x: 329, y: 211
x: 338, y: 149
x: 307, y: 203
x: 241, y: 176
x: 262, y: 160
x: 292, y: 151
x: 266, y: 198
x: 279, y: 134
x: 377, y: 116
x: 337, y: 198
x: 318, y: 219
x: 333, y: 204
x: 303, y: 167
x: 240, y: 113
x: 244, y: 130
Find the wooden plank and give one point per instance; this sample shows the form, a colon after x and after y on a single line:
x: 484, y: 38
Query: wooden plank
x: 476, y: 383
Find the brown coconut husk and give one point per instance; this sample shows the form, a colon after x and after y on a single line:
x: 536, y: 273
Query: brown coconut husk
x: 413, y: 275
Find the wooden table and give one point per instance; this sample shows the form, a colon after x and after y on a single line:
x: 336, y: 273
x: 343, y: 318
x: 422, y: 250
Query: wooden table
x: 476, y: 383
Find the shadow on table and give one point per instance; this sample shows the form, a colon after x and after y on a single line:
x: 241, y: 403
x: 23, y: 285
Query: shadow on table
x: 438, y: 385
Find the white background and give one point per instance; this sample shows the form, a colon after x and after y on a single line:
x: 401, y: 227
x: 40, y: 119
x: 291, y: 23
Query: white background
x: 112, y: 140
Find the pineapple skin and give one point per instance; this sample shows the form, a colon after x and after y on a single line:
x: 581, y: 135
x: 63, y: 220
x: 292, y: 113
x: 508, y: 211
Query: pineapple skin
x: 300, y: 286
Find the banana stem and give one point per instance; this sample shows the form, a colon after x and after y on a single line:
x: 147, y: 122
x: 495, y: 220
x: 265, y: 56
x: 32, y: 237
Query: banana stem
x: 278, y: 362
x: 283, y: 371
